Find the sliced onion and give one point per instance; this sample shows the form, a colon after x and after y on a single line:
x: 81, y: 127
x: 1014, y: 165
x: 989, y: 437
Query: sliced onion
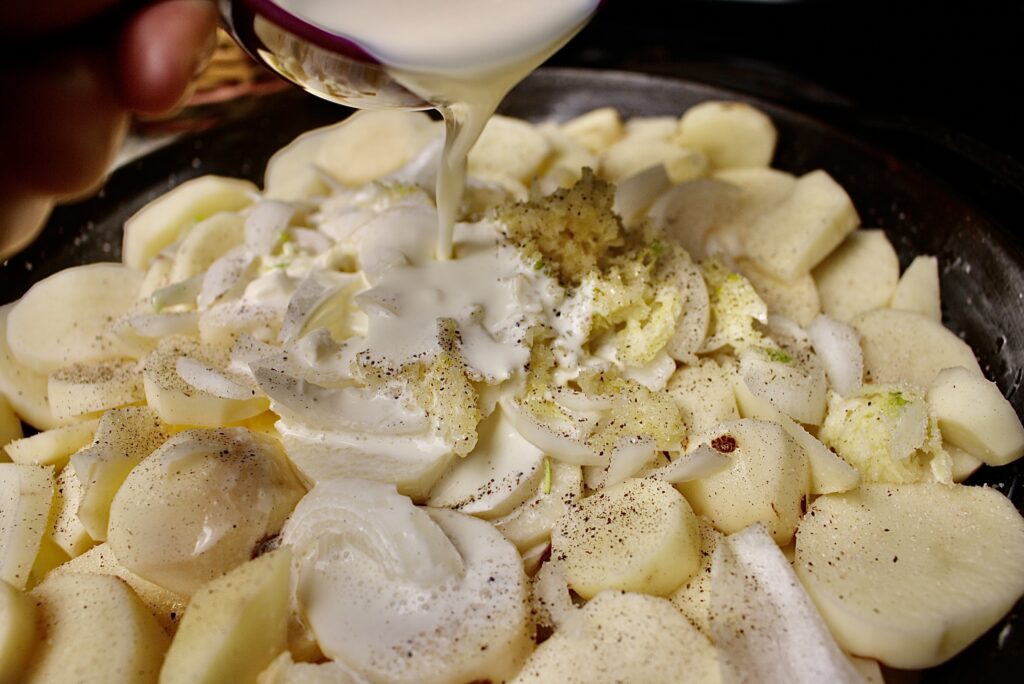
x: 559, y: 445
x: 704, y: 461
x: 838, y: 347
x: 177, y: 294
x: 227, y: 272
x: 319, y: 301
x: 635, y: 194
x: 266, y: 224
x: 165, y: 324
x: 628, y: 459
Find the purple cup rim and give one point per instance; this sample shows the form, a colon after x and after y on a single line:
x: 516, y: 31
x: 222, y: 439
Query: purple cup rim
x: 277, y: 15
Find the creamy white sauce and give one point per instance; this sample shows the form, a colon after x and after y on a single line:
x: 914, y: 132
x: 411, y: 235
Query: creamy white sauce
x: 461, y: 56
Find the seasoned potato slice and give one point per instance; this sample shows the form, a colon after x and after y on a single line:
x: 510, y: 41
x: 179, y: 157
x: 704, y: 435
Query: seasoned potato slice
x: 902, y: 346
x: 860, y: 275
x: 622, y: 637
x: 768, y: 480
x: 918, y: 289
x: 639, y: 535
x: 911, y: 574
x: 26, y: 494
x: 18, y: 632
x: 975, y: 416
x: 95, y: 630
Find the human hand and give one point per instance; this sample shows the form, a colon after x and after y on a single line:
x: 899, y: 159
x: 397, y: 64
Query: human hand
x: 75, y: 70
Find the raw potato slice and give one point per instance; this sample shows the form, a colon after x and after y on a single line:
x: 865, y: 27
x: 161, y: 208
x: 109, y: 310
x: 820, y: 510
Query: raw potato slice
x: 364, y: 147
x: 166, y: 606
x: 10, y: 426
x: 918, y: 289
x: 829, y: 473
x: 640, y: 535
x: 647, y: 127
x: 23, y: 387
x: 731, y: 134
x: 596, y: 130
x: 508, y: 147
x: 169, y: 217
x: 975, y: 416
x: 123, y: 438
x: 860, y: 275
x: 95, y: 630
x: 235, y: 625
x: 80, y: 389
x: 761, y: 190
x: 762, y: 621
x: 26, y: 494
x: 704, y: 394
x: 529, y: 525
x: 18, y: 633
x: 565, y: 164
x: 767, y: 482
x: 200, y: 505
x: 179, y: 403
x: 797, y: 299
x: 66, y: 318
x: 693, y: 597
x: 206, y: 242
x: 66, y: 529
x: 623, y: 637
x: 964, y: 465
x: 803, y: 229
x: 52, y: 447
x: 902, y: 346
x: 910, y: 575
x: 628, y: 157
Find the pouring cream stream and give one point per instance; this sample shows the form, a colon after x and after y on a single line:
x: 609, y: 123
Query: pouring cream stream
x: 460, y: 56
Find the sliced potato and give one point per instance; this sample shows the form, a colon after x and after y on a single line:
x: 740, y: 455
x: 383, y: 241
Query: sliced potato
x: 166, y: 606
x: 52, y: 447
x: 65, y: 318
x: 66, y: 530
x: 235, y: 626
x: 902, y: 346
x: 731, y: 134
x: 628, y: 157
x: 704, y: 394
x: 975, y: 416
x: 206, y: 242
x: 18, y: 633
x: 26, y: 493
x: 796, y: 299
x: 123, y: 438
x: 508, y: 147
x: 623, y: 637
x: 918, y: 289
x: 596, y: 130
x: 803, y: 229
x: 81, y: 389
x: 912, y: 574
x: 767, y: 482
x: 860, y: 275
x: 364, y: 147
x: 693, y: 597
x: 200, y: 505
x: 24, y: 388
x: 639, y: 535
x: 179, y: 403
x: 10, y: 426
x: 95, y: 630
x: 761, y: 191
x: 169, y: 217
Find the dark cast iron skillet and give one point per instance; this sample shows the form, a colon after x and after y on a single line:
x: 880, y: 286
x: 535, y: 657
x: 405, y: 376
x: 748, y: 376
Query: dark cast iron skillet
x: 982, y: 262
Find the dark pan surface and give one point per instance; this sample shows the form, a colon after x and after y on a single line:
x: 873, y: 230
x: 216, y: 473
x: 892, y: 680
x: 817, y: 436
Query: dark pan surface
x: 980, y: 252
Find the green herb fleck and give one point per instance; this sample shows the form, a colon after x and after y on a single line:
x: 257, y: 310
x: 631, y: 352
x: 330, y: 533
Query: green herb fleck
x: 898, y: 400
x: 547, y: 475
x: 538, y: 264
x: 777, y: 355
x: 657, y: 248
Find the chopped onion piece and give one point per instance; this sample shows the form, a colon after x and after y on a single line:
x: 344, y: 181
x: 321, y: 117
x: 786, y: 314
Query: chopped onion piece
x: 838, y: 347
x: 206, y: 379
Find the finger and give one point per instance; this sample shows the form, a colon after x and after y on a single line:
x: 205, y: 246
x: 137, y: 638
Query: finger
x: 22, y: 216
x: 66, y: 128
x: 162, y: 47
